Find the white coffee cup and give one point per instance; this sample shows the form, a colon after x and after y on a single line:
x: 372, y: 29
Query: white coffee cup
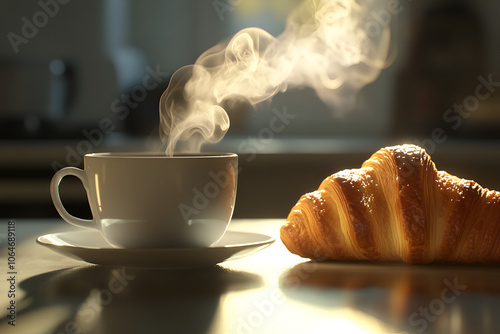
x: 142, y: 200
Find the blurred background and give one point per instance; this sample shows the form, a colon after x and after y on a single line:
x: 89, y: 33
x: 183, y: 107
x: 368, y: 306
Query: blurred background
x: 86, y: 76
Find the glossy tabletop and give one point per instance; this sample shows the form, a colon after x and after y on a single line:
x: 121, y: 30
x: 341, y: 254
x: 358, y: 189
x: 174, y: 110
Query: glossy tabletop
x: 272, y: 291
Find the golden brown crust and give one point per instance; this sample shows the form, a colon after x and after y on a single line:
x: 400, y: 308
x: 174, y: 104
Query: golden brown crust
x: 396, y: 207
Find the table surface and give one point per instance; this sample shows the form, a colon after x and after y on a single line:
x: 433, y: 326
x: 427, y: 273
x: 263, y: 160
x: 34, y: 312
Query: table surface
x: 272, y: 291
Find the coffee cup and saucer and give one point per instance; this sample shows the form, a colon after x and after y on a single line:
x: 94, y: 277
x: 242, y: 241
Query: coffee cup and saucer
x: 154, y: 211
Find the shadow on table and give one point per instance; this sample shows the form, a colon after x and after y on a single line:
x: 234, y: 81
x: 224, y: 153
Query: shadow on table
x: 413, y: 298
x: 99, y: 299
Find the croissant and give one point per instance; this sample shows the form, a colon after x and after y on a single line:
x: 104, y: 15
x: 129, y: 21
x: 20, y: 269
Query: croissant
x: 396, y: 207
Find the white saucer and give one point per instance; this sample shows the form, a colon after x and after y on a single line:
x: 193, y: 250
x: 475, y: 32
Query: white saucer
x: 91, y: 247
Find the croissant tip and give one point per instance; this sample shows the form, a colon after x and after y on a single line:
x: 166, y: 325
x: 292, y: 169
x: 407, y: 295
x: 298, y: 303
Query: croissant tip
x: 286, y: 237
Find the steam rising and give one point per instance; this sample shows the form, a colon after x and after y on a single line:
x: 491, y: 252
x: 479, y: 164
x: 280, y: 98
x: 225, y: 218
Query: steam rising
x: 333, y: 46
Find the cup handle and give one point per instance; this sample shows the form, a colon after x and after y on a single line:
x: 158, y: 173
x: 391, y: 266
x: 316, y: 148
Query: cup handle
x: 56, y: 199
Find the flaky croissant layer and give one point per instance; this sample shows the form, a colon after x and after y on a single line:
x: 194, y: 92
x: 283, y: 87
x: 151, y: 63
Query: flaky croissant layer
x: 396, y: 207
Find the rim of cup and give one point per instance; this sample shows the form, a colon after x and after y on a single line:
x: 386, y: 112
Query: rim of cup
x: 156, y: 155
